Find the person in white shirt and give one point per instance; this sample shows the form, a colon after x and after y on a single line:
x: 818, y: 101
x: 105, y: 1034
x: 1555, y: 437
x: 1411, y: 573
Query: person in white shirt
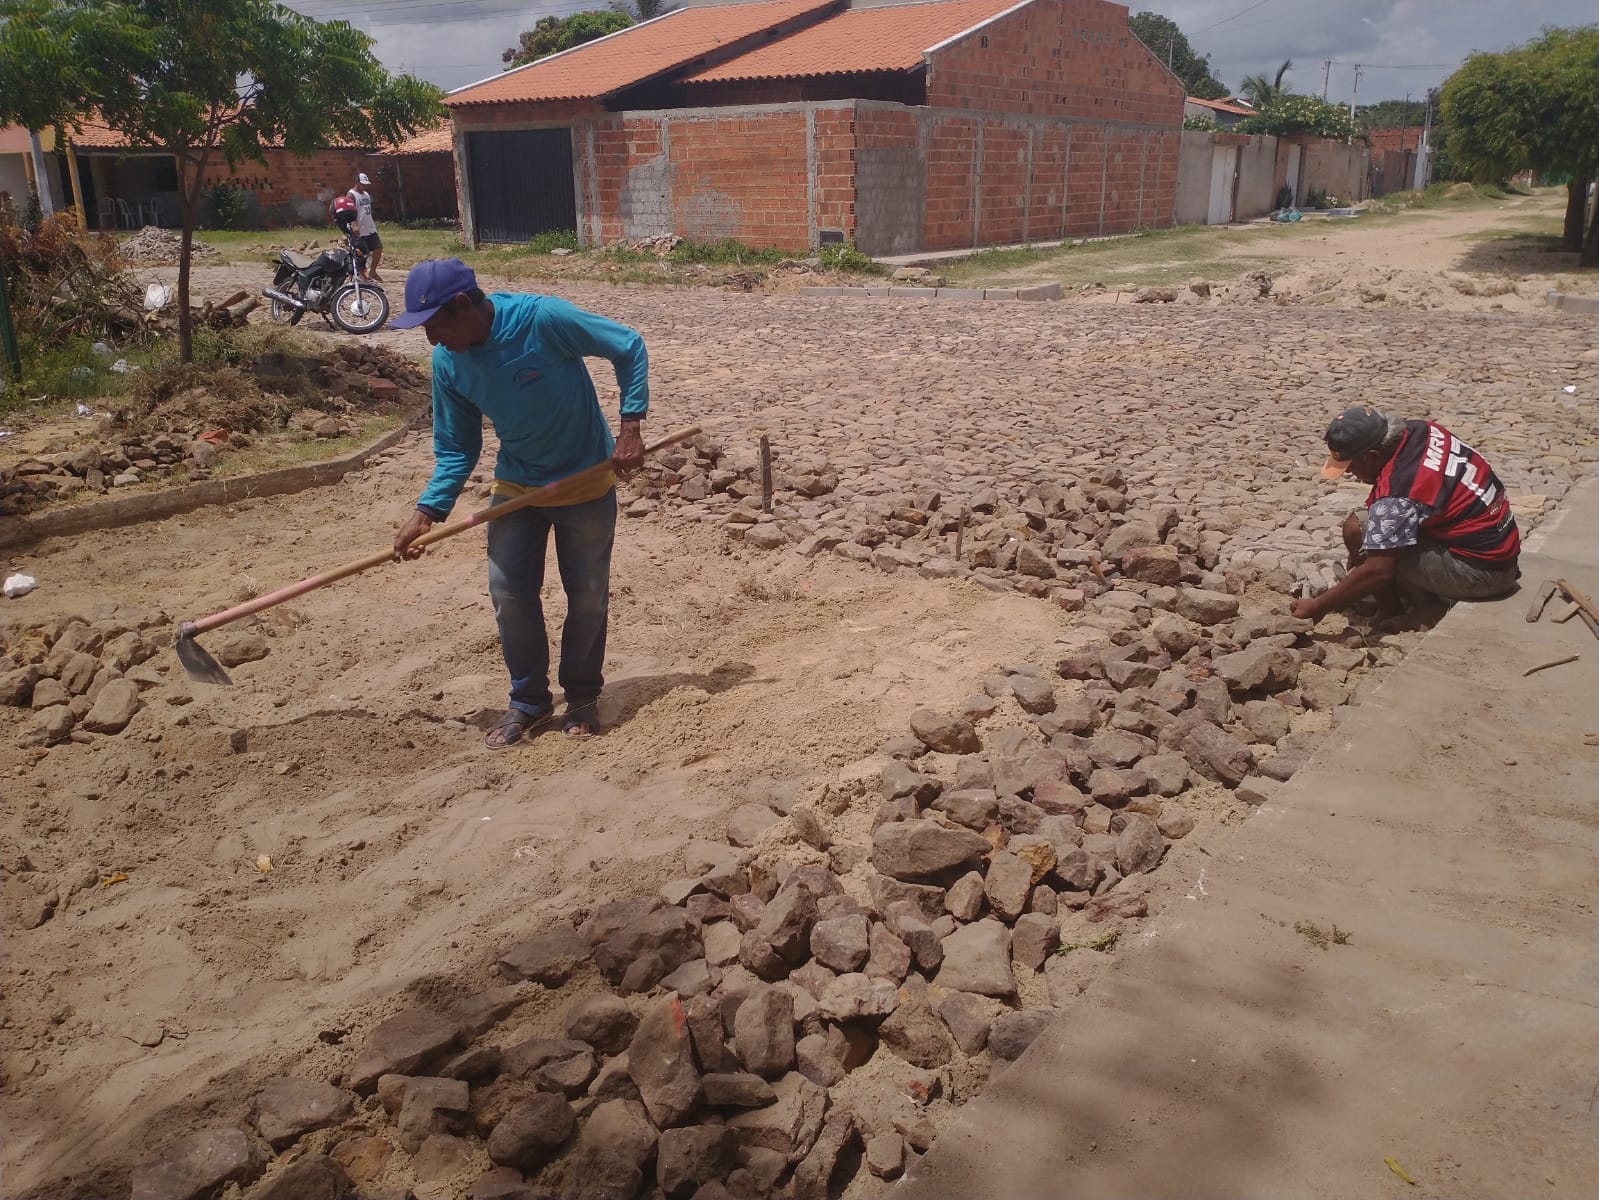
x: 366, y: 229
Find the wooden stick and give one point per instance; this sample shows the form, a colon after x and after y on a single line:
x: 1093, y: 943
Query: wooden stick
x: 1544, y: 593
x: 1558, y: 662
x: 1568, y: 614
x: 766, y: 473
x: 1577, y: 598
x: 960, y: 533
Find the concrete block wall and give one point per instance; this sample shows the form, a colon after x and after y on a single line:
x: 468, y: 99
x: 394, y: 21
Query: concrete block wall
x: 1336, y: 168
x: 990, y: 178
x: 1057, y: 58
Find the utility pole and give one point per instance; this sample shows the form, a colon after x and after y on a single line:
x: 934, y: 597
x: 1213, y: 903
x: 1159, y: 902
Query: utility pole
x: 1424, y: 149
x: 1326, y: 76
x: 1353, y: 92
x: 1170, y: 41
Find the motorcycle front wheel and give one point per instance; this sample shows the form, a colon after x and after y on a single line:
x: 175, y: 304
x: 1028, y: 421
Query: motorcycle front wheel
x: 360, y: 310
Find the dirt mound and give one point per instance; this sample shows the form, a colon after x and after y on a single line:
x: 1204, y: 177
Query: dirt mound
x: 160, y: 248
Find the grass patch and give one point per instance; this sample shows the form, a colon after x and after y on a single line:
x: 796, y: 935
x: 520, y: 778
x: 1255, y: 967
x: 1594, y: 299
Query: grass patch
x: 1442, y: 195
x: 55, y: 380
x: 1149, y: 259
x: 1104, y: 943
x: 1319, y: 937
x: 262, y: 245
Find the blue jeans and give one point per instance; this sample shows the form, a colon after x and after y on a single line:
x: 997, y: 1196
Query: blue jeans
x: 518, y: 542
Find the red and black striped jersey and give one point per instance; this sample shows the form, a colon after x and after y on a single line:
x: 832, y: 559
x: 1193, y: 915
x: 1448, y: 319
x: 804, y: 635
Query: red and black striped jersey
x: 1470, y: 513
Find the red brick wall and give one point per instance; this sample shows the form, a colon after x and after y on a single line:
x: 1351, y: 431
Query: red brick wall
x: 1057, y: 58
x: 1383, y: 140
x: 1047, y: 210
x: 742, y: 174
x: 290, y: 190
x: 951, y: 157
x: 425, y: 185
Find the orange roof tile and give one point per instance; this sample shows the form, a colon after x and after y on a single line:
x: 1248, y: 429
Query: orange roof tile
x: 1221, y: 106
x: 608, y: 64
x: 94, y: 134
x: 865, y: 39
x: 429, y: 141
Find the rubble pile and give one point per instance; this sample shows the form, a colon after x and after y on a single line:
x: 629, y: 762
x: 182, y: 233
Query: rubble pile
x: 156, y: 247
x: 811, y: 997
x: 195, y: 417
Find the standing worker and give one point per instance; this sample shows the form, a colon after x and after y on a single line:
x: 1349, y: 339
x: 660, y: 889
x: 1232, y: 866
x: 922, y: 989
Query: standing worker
x: 366, y: 229
x: 518, y: 360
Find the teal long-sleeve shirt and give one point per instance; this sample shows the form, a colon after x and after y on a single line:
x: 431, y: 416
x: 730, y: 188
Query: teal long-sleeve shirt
x: 530, y: 380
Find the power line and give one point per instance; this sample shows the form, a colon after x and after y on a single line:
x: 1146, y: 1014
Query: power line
x: 1234, y: 17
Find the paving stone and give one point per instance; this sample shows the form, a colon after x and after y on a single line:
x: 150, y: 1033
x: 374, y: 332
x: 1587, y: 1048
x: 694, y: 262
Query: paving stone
x: 363, y: 1158
x: 841, y: 943
x: 977, y: 959
x: 913, y: 850
x: 1139, y: 846
x: 1007, y: 885
x: 943, y: 732
x: 402, y: 1045
x: 288, y: 1107
x: 670, y: 934
x: 815, y: 1060
x: 1034, y: 937
x: 916, y: 1033
x: 790, y: 1124
x: 1259, y: 667
x: 616, y: 1142
x: 1013, y: 1032
x: 1266, y: 720
x: 532, y: 1133
x: 197, y: 1166
x: 965, y: 897
x: 907, y: 922
x: 1207, y: 607
x: 975, y: 808
x: 661, y: 1063
x: 690, y: 1157
x: 1033, y: 694
x: 548, y: 958
x: 1217, y: 754
x: 787, y: 921
x: 314, y: 1177
x: 763, y: 1032
x: 603, y: 1021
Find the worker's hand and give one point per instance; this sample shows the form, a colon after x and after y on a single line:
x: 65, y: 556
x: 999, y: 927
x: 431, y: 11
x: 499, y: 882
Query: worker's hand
x: 629, y: 455
x: 419, y: 524
x: 1306, y: 610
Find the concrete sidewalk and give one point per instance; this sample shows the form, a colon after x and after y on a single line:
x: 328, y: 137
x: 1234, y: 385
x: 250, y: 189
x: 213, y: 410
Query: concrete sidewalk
x: 1449, y: 824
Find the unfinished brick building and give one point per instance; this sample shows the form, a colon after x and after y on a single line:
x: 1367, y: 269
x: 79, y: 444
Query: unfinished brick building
x: 797, y: 123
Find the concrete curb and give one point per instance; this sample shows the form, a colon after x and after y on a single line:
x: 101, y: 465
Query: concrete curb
x: 1577, y: 306
x: 154, y: 506
x: 1043, y: 291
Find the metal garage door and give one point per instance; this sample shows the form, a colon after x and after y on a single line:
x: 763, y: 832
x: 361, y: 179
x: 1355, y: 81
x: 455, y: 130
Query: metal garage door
x: 521, y: 183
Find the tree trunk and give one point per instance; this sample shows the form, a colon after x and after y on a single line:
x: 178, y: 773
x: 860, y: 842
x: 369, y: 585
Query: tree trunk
x: 189, y: 196
x: 1576, y: 195
x: 1590, y: 245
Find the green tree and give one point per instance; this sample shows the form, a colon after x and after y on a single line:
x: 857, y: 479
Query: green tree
x: 1392, y: 114
x: 1260, y: 91
x: 204, y: 81
x: 551, y: 35
x: 1286, y: 115
x: 644, y: 10
x: 1167, y: 43
x: 1533, y: 107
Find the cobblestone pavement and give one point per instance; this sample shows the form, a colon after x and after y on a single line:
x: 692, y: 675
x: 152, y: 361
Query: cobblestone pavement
x: 1218, y: 411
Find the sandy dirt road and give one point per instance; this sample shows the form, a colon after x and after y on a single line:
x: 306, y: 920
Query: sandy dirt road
x: 404, y: 855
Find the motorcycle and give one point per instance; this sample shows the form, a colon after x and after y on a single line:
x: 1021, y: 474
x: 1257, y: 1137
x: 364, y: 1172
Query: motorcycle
x: 330, y: 285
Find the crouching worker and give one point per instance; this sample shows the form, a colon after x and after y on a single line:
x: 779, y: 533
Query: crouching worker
x: 1436, y: 526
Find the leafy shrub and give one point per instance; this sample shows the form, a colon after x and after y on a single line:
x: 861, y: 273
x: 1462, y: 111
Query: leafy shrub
x: 1204, y: 122
x: 841, y: 256
x: 1288, y: 115
x: 226, y: 203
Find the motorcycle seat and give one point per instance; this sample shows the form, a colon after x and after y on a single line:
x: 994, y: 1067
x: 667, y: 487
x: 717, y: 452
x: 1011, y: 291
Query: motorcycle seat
x: 295, y: 259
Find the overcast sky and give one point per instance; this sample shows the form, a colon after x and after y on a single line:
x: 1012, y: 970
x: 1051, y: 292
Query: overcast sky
x: 1402, y: 45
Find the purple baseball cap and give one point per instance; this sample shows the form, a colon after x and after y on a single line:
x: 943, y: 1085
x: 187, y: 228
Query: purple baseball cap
x: 429, y: 286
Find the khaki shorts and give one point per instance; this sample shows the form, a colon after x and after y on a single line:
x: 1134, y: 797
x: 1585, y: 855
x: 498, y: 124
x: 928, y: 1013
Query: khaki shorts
x: 1429, y: 566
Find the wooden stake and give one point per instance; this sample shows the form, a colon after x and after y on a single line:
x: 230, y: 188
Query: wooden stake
x: 960, y: 534
x: 766, y: 473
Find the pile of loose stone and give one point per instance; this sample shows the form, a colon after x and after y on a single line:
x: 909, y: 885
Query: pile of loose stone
x: 154, y: 246
x: 809, y: 999
x: 1078, y: 543
x: 83, y: 678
